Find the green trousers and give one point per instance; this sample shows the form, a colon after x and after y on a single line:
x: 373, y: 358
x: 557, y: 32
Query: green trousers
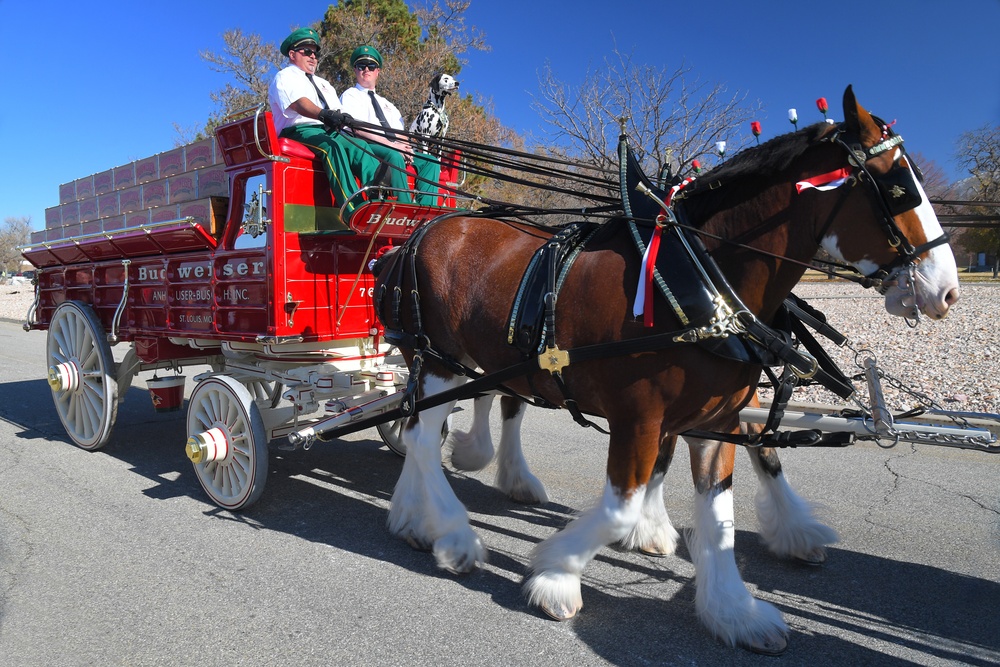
x: 428, y: 169
x: 428, y: 172
x: 341, y: 159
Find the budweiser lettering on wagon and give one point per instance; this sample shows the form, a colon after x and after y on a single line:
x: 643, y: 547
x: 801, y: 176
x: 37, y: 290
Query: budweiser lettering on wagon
x: 204, y: 270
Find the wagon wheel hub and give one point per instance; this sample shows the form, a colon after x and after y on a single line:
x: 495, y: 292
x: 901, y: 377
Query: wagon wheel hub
x: 64, y: 376
x: 208, y: 446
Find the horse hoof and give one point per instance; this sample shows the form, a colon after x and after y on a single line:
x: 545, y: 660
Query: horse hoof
x: 774, y: 645
x: 813, y: 557
x: 462, y: 566
x: 418, y: 545
x: 526, y: 498
x: 459, y: 552
x: 654, y: 550
x: 559, y: 612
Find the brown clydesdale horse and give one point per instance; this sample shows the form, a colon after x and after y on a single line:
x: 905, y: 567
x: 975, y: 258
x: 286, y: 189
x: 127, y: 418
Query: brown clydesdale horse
x: 468, y: 270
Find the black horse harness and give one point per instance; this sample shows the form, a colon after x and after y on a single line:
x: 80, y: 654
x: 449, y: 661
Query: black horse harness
x: 694, y: 286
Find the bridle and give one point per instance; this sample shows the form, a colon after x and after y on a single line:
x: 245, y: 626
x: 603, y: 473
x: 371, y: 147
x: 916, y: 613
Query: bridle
x: 896, y: 192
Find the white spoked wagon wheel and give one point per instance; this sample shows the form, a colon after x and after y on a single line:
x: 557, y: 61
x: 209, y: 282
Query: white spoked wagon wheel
x: 392, y: 434
x: 226, y: 442
x: 82, y: 374
x: 264, y: 392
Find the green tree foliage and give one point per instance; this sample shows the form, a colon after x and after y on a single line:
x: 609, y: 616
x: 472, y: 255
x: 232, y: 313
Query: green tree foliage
x: 415, y: 45
x: 387, y: 25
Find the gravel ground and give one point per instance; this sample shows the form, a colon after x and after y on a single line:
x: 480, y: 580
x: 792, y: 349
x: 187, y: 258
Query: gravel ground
x: 953, y: 361
x: 15, y: 301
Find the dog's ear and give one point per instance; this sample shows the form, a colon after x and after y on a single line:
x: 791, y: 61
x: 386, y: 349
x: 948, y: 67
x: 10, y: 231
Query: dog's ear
x: 436, y: 82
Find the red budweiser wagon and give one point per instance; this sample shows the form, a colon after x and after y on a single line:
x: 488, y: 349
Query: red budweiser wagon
x: 270, y: 288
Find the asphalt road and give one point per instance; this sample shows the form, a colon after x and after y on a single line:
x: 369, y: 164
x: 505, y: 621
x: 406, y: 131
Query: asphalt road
x: 116, y: 557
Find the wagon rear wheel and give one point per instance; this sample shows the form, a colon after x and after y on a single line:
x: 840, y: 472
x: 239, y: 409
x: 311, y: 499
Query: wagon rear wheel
x: 226, y: 442
x: 82, y: 374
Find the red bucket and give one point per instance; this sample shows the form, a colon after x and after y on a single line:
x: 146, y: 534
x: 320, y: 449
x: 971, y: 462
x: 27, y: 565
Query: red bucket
x: 167, y: 393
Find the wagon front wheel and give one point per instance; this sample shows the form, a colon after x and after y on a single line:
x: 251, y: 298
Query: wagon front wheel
x: 392, y: 434
x: 82, y: 374
x: 226, y: 442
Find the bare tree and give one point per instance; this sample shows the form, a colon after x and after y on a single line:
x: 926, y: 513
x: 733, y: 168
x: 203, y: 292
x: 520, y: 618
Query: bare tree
x: 16, y: 231
x: 938, y: 187
x: 250, y: 63
x: 979, y: 154
x: 671, y: 118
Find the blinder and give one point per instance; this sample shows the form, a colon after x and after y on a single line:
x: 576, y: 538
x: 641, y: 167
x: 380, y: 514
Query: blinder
x: 899, y: 191
x: 896, y: 193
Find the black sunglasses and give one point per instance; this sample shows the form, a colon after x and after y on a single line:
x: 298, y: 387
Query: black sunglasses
x: 309, y: 53
x: 371, y: 67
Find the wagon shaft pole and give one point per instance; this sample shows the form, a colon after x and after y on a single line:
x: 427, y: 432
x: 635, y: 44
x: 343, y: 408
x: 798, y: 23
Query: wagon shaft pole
x: 880, y: 413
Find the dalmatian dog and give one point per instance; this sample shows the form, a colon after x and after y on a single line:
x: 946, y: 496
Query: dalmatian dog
x: 432, y: 121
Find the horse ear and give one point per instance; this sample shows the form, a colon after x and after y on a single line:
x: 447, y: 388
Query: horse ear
x: 858, y: 120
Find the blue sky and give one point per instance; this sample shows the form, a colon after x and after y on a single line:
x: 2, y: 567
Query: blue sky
x: 89, y: 86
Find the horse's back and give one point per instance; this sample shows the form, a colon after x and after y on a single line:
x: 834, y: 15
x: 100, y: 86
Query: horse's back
x: 467, y: 270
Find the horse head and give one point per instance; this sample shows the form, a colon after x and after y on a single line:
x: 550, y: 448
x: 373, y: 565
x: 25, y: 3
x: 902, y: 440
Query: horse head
x: 916, y: 270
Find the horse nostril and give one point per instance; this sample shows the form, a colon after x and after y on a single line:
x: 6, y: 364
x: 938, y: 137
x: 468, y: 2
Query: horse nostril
x: 951, y: 298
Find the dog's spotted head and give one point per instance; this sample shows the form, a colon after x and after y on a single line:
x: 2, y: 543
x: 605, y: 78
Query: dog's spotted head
x: 443, y: 84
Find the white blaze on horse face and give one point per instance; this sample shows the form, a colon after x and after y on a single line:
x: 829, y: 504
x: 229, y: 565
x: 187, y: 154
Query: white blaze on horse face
x: 936, y: 287
x: 936, y: 276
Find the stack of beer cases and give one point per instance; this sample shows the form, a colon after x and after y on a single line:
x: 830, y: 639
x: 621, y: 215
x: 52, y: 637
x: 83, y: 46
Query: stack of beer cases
x: 187, y: 182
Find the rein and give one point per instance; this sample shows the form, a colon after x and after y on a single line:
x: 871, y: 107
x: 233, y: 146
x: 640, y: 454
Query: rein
x: 729, y: 321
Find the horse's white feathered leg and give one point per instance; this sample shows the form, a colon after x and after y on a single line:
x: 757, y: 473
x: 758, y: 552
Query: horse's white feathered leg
x: 473, y: 450
x: 424, y: 510
x: 722, y: 600
x: 557, y: 563
x: 513, y: 476
x: 788, y: 524
x: 654, y: 534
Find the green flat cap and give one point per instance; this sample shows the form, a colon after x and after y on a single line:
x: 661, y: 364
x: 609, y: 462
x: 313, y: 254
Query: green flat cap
x: 366, y: 52
x: 299, y: 37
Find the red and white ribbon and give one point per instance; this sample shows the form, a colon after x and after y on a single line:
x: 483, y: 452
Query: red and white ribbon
x: 643, y: 306
x: 644, y: 292
x: 824, y: 182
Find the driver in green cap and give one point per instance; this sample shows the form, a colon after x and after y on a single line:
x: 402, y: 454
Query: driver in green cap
x: 305, y: 107
x: 390, y: 145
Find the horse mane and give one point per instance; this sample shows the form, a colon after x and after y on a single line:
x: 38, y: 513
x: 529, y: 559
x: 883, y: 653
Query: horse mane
x: 737, y: 179
x: 762, y: 162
